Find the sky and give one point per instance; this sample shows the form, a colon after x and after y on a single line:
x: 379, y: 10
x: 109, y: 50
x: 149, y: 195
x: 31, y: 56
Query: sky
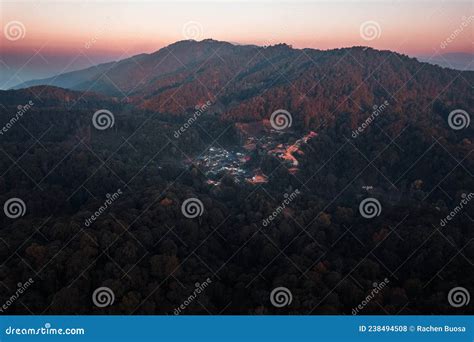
x: 42, y: 38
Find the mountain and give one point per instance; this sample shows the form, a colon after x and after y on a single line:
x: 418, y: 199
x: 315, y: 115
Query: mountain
x: 53, y: 96
x: 247, y: 83
x: 104, y: 205
x: 70, y: 80
x: 123, y: 77
x: 453, y: 60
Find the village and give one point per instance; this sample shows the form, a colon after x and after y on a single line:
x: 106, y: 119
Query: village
x: 241, y: 162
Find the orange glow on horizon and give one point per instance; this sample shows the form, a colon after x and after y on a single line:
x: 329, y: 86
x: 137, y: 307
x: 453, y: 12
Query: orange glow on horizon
x: 121, y: 29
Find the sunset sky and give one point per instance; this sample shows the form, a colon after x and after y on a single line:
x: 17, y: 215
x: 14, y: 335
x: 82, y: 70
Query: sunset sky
x: 67, y: 35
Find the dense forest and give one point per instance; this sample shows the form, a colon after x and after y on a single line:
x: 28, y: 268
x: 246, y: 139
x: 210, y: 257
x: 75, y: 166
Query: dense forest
x: 319, y: 246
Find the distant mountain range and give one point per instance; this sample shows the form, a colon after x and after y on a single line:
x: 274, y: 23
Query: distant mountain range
x: 247, y: 82
x: 455, y: 60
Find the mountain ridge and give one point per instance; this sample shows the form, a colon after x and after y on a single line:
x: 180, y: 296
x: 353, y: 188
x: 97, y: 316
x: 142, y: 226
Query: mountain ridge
x: 247, y: 83
x: 181, y: 44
